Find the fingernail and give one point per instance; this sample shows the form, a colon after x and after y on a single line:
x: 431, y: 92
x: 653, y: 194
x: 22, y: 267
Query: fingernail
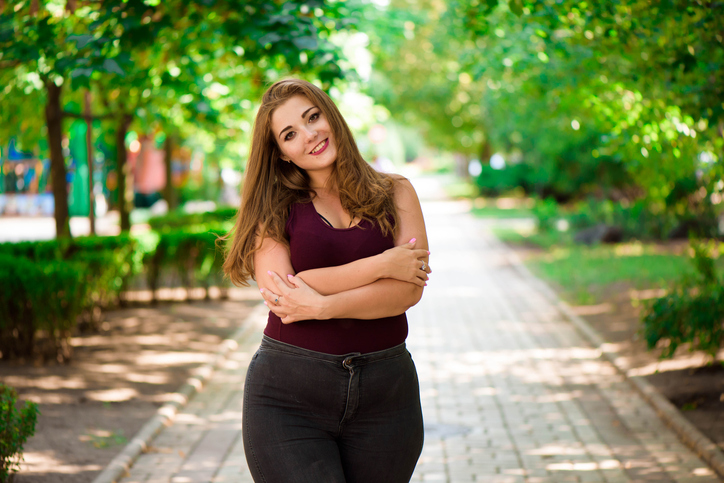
x: 428, y: 252
x: 266, y: 303
x: 261, y: 290
x: 269, y: 272
x: 425, y: 284
x: 413, y: 240
x: 290, y: 276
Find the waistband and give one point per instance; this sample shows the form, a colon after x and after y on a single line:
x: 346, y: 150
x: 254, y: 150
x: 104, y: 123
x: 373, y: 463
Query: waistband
x: 356, y: 358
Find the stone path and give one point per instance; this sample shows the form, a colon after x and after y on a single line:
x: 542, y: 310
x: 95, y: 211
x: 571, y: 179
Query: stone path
x: 511, y: 391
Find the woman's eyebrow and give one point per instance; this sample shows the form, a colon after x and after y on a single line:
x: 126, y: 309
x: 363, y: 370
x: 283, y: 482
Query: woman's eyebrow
x: 304, y: 114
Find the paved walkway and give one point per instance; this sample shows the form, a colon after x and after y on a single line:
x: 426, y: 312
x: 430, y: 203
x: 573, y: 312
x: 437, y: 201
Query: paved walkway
x: 511, y: 391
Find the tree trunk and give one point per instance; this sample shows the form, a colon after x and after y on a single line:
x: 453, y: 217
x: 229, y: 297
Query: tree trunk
x: 125, y: 188
x: 168, y: 192
x: 54, y: 121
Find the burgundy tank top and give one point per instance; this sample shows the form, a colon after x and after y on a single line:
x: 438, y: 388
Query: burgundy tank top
x: 314, y: 244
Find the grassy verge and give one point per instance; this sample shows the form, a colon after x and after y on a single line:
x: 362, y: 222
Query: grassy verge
x: 587, y: 275
x: 492, y: 211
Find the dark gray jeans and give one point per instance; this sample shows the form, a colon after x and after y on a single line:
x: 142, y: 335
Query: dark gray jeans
x: 311, y: 417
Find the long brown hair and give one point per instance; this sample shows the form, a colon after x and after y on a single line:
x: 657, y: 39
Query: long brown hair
x: 271, y: 185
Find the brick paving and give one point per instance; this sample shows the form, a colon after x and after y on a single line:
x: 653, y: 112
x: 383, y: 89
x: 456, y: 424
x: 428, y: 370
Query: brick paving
x: 511, y: 391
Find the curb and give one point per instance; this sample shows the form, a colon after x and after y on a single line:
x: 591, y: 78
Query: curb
x: 705, y: 448
x: 120, y: 465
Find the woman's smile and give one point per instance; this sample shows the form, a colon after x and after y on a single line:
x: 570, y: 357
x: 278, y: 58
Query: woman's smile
x: 319, y: 148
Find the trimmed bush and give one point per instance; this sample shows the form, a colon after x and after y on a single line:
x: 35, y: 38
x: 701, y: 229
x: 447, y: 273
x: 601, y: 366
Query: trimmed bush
x: 108, y: 262
x: 16, y: 426
x: 34, y: 297
x: 180, y: 219
x: 693, y: 312
x: 191, y: 253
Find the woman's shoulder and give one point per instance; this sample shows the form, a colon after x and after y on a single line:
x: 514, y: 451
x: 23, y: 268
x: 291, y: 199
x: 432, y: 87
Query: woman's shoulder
x: 404, y: 192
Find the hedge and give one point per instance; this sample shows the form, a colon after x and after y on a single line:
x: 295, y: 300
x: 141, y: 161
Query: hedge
x: 47, y: 287
x: 35, y: 297
x: 192, y: 253
x: 179, y: 219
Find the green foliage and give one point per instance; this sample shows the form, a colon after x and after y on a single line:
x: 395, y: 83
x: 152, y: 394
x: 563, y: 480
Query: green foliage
x: 547, y: 214
x: 591, y: 102
x: 192, y: 253
x: 48, y: 285
x: 108, y: 262
x: 178, y: 219
x: 583, y: 273
x: 16, y: 426
x: 34, y: 297
x: 693, y: 311
x: 495, y: 182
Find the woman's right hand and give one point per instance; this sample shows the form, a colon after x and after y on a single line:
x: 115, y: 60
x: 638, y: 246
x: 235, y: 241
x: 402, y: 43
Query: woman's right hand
x: 406, y: 263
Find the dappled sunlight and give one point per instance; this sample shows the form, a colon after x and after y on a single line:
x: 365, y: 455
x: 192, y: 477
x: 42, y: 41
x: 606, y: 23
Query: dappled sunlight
x: 189, y: 419
x: 158, y: 358
x: 37, y: 462
x: 48, y: 383
x: 592, y: 309
x: 684, y: 361
x: 112, y: 395
x: 584, y: 466
x: 157, y: 378
x: 49, y: 398
x: 558, y: 450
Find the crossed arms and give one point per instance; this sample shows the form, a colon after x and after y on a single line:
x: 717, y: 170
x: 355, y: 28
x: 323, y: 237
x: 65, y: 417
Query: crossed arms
x: 383, y: 285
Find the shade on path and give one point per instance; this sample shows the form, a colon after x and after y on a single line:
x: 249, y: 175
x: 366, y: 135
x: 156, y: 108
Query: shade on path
x: 511, y: 391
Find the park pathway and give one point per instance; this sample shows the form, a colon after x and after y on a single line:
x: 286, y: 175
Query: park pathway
x: 511, y: 391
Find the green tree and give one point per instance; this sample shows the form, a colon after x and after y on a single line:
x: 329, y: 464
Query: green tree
x: 43, y: 48
x: 588, y: 94
x: 182, y: 64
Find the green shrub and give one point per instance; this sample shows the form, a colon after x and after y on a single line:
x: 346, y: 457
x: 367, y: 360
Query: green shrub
x: 179, y: 219
x: 108, y: 262
x: 495, y: 182
x: 43, y: 297
x: 547, y: 214
x: 693, y: 312
x: 191, y: 253
x: 16, y: 426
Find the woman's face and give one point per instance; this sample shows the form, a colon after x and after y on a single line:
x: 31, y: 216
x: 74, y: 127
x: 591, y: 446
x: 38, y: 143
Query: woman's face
x: 304, y: 136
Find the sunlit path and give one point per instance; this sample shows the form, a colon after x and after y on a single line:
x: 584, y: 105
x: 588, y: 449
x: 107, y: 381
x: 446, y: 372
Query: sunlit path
x: 511, y: 391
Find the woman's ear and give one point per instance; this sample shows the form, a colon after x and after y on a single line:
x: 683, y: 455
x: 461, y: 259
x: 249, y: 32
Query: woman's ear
x: 285, y: 158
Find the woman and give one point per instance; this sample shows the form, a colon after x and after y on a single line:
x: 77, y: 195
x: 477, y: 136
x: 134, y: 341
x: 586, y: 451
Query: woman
x: 339, y: 252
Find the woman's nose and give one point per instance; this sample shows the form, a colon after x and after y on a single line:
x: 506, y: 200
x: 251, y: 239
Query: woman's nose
x: 310, y: 133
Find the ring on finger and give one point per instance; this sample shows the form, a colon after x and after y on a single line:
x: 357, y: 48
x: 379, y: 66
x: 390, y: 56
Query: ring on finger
x: 276, y: 300
x: 424, y: 265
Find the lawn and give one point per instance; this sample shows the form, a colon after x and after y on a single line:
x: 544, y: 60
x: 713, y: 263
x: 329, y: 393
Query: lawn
x: 585, y: 275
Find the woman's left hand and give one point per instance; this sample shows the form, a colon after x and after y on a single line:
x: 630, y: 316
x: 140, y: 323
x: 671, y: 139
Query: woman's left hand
x: 295, y: 303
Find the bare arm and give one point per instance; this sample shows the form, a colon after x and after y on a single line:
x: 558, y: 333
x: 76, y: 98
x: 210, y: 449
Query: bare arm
x: 381, y: 298
x: 401, y: 263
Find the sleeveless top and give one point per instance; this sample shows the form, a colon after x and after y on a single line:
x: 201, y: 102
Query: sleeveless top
x: 314, y: 244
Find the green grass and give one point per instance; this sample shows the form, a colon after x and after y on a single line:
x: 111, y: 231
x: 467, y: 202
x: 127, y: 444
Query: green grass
x: 545, y: 240
x: 495, y: 212
x: 586, y: 274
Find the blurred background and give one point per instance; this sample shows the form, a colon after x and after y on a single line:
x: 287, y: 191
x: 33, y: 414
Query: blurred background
x: 592, y: 131
x: 589, y: 135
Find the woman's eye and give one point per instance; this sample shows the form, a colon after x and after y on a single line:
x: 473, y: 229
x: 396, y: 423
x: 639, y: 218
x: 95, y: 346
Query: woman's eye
x: 289, y: 136
x: 314, y: 117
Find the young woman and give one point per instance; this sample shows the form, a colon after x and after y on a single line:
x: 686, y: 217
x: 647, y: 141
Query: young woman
x: 339, y: 252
